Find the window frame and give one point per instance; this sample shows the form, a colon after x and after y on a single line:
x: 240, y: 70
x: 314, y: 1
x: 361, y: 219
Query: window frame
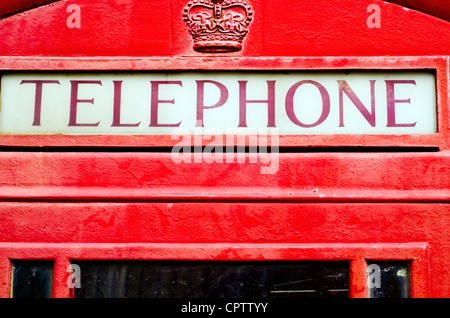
x: 64, y: 254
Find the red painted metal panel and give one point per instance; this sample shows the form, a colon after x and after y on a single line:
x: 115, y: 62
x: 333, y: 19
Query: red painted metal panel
x: 258, y: 223
x: 319, y: 205
x: 277, y: 31
x: 357, y: 253
x: 155, y: 176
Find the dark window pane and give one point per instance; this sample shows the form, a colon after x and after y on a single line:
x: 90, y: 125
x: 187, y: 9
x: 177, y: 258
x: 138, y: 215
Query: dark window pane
x: 32, y: 279
x: 156, y: 279
x: 388, y: 279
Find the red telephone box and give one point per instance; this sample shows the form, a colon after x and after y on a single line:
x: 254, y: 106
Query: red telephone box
x: 242, y: 148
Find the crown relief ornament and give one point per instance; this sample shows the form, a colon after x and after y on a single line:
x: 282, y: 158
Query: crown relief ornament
x: 218, y: 25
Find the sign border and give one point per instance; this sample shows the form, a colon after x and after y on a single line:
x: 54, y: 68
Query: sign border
x: 438, y: 64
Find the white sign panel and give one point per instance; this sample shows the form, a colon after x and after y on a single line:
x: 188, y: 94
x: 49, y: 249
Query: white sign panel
x: 156, y: 103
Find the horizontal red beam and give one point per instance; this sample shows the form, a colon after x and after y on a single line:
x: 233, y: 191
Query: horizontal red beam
x: 247, y: 63
x: 226, y: 194
x: 291, y: 224
x: 292, y: 177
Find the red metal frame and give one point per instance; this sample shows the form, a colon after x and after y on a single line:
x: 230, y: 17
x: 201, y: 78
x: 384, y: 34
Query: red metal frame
x: 440, y: 140
x: 246, y: 231
x: 301, y: 177
x: 66, y: 254
x: 351, y: 204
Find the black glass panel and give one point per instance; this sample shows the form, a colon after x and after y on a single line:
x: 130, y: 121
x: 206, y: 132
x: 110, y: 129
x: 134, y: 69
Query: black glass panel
x: 213, y: 279
x: 32, y: 279
x: 388, y: 279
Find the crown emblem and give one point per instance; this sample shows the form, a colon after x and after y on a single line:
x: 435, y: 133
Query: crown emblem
x: 218, y: 25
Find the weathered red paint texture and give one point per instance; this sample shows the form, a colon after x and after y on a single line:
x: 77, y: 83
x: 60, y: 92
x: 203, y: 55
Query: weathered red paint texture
x: 276, y: 31
x: 352, y: 203
x: 439, y: 8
